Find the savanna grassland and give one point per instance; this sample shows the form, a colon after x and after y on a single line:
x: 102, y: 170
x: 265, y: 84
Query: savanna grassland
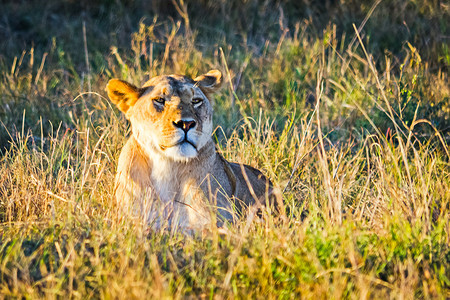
x: 345, y: 105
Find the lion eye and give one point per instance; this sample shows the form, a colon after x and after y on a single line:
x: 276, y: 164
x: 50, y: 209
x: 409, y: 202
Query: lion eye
x: 160, y: 100
x: 197, y: 100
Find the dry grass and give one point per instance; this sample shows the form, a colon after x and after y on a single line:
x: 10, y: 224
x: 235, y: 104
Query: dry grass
x: 349, y: 136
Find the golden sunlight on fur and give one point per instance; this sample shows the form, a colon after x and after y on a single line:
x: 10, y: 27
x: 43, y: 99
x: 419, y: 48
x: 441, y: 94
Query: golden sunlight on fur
x: 169, y: 172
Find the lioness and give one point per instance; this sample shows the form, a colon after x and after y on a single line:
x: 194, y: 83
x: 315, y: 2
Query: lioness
x: 169, y: 172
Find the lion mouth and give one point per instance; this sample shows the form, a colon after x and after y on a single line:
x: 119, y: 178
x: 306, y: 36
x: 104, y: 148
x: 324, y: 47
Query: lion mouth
x: 179, y: 143
x: 186, y: 141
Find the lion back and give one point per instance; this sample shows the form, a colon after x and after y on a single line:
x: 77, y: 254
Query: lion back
x: 252, y: 187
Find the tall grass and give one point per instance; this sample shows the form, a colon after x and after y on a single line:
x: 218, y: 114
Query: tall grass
x: 350, y: 136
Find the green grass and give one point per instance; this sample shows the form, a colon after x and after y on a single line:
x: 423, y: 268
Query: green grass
x: 353, y: 127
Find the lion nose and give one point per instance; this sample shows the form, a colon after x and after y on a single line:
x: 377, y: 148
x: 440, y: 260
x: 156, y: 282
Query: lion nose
x: 185, y: 125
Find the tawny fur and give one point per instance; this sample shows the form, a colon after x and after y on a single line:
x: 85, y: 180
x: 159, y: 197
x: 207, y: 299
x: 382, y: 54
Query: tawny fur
x: 170, y: 177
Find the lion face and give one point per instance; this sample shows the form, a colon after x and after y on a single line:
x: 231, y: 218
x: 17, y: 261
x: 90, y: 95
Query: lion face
x: 170, y: 115
x: 173, y: 116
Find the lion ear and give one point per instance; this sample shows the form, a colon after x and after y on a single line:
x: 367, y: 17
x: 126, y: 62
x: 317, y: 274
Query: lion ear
x: 123, y: 94
x: 210, y: 82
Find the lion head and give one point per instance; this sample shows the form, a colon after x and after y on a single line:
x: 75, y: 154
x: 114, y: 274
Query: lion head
x: 170, y: 115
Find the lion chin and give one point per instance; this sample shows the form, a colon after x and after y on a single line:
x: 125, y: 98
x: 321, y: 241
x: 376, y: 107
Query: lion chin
x: 182, y: 152
x: 169, y: 174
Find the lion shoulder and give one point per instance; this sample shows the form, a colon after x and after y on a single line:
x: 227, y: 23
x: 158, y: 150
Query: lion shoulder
x: 133, y: 171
